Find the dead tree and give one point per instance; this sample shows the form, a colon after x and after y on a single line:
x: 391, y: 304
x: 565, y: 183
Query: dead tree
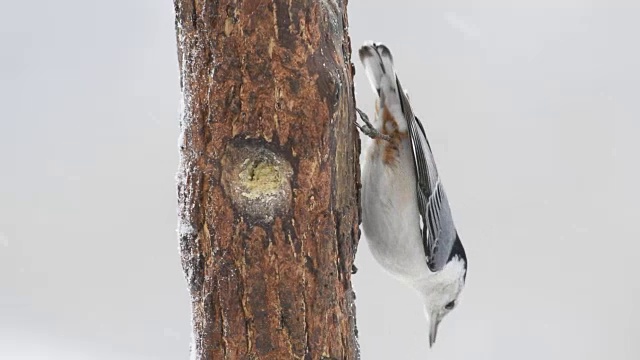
x: 268, y: 178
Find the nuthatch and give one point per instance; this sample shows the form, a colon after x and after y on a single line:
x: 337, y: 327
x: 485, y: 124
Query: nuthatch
x: 406, y: 216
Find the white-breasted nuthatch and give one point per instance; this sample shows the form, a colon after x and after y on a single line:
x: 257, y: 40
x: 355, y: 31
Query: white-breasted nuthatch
x: 406, y: 216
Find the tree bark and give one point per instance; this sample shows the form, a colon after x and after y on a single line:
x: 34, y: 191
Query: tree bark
x: 268, y: 184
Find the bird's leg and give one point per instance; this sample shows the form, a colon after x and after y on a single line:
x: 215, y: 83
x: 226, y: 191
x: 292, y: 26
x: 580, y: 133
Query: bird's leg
x: 368, y: 128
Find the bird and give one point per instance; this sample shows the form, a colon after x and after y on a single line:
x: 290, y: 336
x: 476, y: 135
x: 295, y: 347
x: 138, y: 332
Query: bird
x: 406, y: 216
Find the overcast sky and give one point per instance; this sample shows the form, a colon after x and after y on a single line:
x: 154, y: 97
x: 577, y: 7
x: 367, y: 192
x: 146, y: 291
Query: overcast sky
x: 532, y: 111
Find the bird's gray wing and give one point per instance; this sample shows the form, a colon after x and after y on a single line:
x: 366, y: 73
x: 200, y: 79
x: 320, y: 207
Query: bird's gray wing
x: 438, y: 230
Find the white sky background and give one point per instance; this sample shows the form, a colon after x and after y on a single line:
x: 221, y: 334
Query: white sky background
x: 532, y: 111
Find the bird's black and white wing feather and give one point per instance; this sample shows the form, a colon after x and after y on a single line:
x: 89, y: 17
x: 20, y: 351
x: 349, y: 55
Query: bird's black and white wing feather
x: 438, y: 230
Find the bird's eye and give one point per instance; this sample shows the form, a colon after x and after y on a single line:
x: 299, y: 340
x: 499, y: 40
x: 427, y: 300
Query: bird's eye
x: 450, y: 305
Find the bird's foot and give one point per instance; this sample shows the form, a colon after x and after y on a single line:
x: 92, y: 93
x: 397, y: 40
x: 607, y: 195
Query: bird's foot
x: 368, y: 128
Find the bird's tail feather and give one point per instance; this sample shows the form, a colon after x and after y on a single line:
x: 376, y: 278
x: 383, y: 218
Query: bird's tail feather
x: 378, y: 65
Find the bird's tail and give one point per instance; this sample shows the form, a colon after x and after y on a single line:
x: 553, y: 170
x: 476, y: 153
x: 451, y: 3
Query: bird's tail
x: 378, y: 64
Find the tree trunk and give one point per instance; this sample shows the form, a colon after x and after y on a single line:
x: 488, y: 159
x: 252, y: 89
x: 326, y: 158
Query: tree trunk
x: 268, y: 179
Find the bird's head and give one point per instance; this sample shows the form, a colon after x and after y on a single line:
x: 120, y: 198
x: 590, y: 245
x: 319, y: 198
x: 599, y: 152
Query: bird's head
x: 441, y: 294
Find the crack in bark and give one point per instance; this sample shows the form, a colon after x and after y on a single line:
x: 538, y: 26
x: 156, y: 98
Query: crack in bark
x: 223, y: 326
x: 243, y: 300
x: 278, y: 303
x: 304, y: 301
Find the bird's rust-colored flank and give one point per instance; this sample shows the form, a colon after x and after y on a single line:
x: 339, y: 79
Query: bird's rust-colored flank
x: 390, y: 149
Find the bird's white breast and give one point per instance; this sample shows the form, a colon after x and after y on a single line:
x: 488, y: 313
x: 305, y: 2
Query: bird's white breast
x: 390, y: 217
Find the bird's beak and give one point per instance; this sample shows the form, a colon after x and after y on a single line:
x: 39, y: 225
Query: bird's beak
x: 433, y: 332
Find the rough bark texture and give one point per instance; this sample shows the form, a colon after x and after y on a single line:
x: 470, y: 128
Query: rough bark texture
x: 268, y: 180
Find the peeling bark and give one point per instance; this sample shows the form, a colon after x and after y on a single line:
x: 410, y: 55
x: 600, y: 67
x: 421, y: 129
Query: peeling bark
x: 269, y: 178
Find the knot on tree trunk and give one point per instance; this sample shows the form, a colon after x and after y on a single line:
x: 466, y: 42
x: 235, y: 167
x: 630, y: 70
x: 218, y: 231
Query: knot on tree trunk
x: 257, y: 180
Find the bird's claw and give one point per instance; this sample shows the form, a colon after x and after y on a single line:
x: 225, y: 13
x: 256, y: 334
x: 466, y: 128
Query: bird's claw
x: 368, y: 128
